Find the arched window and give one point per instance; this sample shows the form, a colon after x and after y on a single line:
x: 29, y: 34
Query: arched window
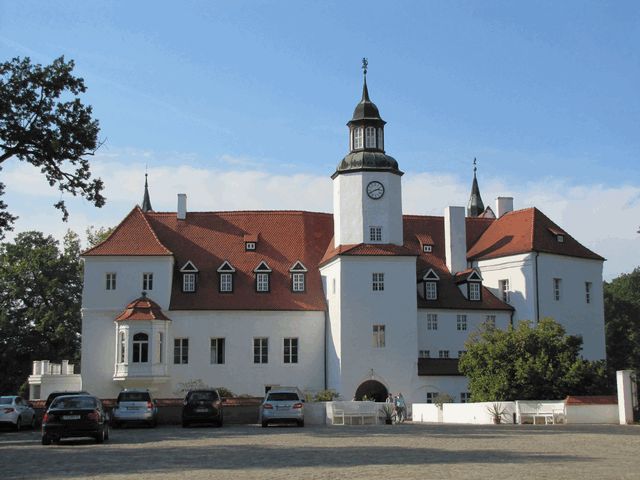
x: 370, y: 137
x: 140, y: 348
x: 160, y: 346
x: 357, y: 138
x: 122, y: 345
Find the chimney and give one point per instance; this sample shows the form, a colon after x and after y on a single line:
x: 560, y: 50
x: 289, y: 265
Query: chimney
x: 182, y: 206
x: 455, y: 239
x: 503, y: 205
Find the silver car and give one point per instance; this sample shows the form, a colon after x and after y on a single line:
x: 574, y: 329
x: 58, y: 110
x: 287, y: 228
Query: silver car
x: 135, y: 406
x: 16, y: 411
x: 282, y: 406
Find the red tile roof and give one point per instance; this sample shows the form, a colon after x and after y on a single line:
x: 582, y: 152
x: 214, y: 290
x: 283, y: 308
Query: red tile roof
x: 142, y: 308
x: 134, y: 236
x: 591, y: 400
x: 367, y: 249
x: 524, y: 231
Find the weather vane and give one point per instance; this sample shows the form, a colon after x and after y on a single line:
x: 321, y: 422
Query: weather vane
x: 474, y: 165
x: 365, y: 64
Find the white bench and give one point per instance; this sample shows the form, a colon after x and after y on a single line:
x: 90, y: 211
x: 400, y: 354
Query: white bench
x: 539, y: 413
x: 353, y: 413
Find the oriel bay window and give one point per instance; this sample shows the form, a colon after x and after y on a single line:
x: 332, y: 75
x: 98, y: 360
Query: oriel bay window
x: 140, y: 348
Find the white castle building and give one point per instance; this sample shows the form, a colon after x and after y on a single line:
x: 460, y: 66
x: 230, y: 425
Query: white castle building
x: 363, y: 301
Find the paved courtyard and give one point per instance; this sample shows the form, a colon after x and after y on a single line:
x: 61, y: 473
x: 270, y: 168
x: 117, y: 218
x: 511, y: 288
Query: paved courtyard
x: 398, y: 451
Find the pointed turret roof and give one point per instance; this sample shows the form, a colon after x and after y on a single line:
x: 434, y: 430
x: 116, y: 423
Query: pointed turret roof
x: 146, y: 201
x: 475, y: 207
x: 366, y: 109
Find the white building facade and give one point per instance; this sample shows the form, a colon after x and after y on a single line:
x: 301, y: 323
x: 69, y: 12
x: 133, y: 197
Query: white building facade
x: 364, y: 301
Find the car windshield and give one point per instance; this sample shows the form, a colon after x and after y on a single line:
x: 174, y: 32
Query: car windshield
x: 73, y: 402
x: 6, y: 400
x: 279, y: 396
x: 134, y: 397
x: 203, y: 397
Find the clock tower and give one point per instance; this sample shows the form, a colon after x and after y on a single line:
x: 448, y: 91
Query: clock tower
x: 367, y: 196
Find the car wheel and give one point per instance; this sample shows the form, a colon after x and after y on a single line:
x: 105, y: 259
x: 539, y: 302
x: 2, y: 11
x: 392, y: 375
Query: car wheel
x: 185, y: 424
x: 265, y: 424
x: 154, y: 423
x: 18, y: 424
x: 301, y: 423
x: 33, y: 422
x: 106, y: 431
x: 46, y: 440
x: 100, y: 437
x: 115, y: 424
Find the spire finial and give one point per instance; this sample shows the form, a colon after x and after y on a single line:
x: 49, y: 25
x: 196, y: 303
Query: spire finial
x: 365, y: 64
x: 146, y: 200
x: 474, y: 166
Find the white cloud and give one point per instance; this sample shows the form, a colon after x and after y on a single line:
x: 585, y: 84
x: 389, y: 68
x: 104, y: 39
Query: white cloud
x: 603, y: 218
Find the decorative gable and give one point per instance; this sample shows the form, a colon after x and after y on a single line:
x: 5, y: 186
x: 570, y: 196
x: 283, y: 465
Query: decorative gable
x: 298, y: 267
x: 262, y: 268
x: 189, y: 267
x: 430, y: 275
x: 226, y: 268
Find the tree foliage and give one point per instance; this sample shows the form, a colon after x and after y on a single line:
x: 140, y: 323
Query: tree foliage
x: 622, y: 321
x: 529, y: 363
x: 40, y: 297
x: 96, y: 235
x: 43, y: 122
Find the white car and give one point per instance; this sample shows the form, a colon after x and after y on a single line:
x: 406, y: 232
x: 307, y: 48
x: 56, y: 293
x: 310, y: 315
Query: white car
x: 282, y: 405
x: 16, y: 411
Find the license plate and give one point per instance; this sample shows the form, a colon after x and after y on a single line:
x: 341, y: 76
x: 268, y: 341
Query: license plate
x: 283, y: 407
x: 202, y: 410
x: 133, y: 408
x: 71, y: 417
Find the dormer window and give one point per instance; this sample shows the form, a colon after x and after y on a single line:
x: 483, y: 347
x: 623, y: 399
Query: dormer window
x: 559, y: 234
x: 225, y: 277
x: 427, y: 248
x: 189, y: 277
x: 250, y: 245
x: 263, y: 277
x: 560, y: 238
x: 250, y: 242
x: 431, y: 285
x: 298, y: 277
x: 370, y: 137
x: 474, y: 291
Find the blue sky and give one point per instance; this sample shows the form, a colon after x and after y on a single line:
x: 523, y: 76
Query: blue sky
x: 250, y: 99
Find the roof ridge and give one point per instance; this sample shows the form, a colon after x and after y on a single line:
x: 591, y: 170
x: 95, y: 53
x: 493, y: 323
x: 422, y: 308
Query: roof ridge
x: 112, y: 232
x: 244, y: 212
x: 153, y: 232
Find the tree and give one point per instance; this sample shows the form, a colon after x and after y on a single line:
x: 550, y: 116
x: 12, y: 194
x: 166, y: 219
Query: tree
x: 622, y: 321
x: 96, y: 235
x: 40, y: 297
x: 43, y: 122
x: 529, y: 363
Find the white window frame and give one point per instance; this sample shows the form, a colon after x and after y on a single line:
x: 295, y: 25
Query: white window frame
x: 461, y: 322
x: 262, y: 282
x: 290, y: 350
x: 431, y: 290
x: 122, y: 347
x: 424, y: 354
x: 370, y: 137
x: 298, y: 281
x: 378, y: 336
x: 443, y: 354
x: 587, y: 291
x: 111, y: 278
x: 358, y: 139
x: 260, y: 350
x: 557, y: 287
x: 491, y: 320
x: 375, y: 233
x: 226, y: 282
x: 380, y: 138
x: 181, y: 348
x: 188, y: 282
x: 431, y: 396
x: 250, y: 246
x: 217, y: 350
x: 427, y: 248
x: 432, y: 321
x: 377, y: 281
x: 474, y: 291
x: 147, y: 281
x: 140, y: 345
x: 160, y: 347
x: 504, y: 290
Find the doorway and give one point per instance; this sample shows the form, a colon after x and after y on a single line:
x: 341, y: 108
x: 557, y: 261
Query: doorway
x: 373, y: 390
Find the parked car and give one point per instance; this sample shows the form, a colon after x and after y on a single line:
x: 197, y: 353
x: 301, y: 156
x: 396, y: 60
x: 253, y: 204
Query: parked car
x: 75, y: 416
x: 282, y: 405
x: 16, y: 411
x: 53, y: 395
x: 135, y: 406
x: 202, y: 406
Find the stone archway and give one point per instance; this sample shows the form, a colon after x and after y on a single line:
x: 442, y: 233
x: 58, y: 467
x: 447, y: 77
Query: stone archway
x: 372, y: 389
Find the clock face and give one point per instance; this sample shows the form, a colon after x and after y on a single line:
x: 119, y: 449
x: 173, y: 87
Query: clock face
x: 375, y: 190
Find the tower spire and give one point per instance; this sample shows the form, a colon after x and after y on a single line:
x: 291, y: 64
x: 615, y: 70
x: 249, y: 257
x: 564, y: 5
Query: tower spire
x: 146, y: 201
x: 365, y: 90
x: 475, y: 207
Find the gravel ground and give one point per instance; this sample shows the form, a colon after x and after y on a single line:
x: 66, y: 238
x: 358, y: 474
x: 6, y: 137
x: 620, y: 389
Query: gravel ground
x: 406, y: 451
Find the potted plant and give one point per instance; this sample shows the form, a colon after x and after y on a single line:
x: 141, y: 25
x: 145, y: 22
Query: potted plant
x: 387, y: 412
x: 497, y: 412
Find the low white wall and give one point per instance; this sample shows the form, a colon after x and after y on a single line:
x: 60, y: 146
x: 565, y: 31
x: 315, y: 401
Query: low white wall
x: 425, y: 412
x: 592, y: 413
x: 315, y: 413
x: 54, y: 383
x: 477, y: 413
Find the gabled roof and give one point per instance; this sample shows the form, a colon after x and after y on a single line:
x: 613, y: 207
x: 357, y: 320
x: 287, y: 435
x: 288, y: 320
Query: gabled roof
x: 142, y: 308
x: 524, y: 231
x: 133, y: 237
x: 367, y: 249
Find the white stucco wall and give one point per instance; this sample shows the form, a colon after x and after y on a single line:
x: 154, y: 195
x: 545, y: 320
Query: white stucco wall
x: 355, y: 212
x: 451, y: 385
x: 592, y: 413
x: 128, y: 272
x: 332, y: 282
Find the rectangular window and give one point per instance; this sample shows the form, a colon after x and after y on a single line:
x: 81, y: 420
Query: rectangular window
x: 370, y: 137
x: 425, y: 354
x: 250, y: 245
x: 556, y: 289
x: 226, y: 282
x: 147, y: 281
x: 377, y: 282
x: 290, y: 350
x: 378, y: 336
x: 432, y: 321
x: 357, y: 137
x: 111, y: 281
x: 587, y: 291
x: 474, y: 291
x: 262, y: 282
x: 465, y: 397
x: 181, y: 351
x: 461, y: 322
x: 431, y: 396
x: 443, y: 353
x: 504, y: 290
x: 427, y: 248
x: 431, y: 290
x: 217, y: 351
x: 298, y: 282
x: 491, y: 320
x: 261, y: 350
x: 188, y: 282
x: 375, y: 234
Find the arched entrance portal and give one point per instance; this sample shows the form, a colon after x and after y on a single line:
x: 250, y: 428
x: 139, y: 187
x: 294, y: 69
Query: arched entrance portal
x: 373, y: 390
